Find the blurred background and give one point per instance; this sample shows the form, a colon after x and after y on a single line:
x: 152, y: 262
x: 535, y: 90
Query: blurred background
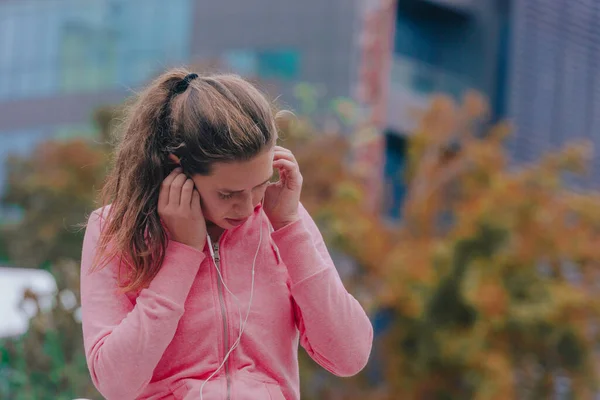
x: 447, y: 152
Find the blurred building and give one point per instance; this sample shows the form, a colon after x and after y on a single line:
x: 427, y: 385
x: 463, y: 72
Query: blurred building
x: 61, y: 59
x: 428, y: 47
x: 535, y: 60
x: 555, y: 88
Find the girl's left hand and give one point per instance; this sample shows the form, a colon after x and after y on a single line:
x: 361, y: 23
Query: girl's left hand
x: 282, y: 198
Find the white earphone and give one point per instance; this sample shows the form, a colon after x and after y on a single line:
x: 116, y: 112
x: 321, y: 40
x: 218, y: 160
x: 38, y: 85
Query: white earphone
x: 242, y: 324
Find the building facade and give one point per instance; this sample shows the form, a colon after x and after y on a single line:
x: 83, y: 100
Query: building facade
x: 440, y: 46
x: 62, y: 59
x: 535, y: 60
x: 555, y: 89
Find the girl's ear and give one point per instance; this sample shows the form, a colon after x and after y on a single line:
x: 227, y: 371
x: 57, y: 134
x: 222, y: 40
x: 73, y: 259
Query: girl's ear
x: 175, y: 159
x: 173, y: 163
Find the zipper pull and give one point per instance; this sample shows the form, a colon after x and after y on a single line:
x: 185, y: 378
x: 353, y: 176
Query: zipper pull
x: 216, y: 251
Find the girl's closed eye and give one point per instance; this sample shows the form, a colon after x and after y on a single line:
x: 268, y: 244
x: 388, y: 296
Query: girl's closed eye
x: 225, y: 196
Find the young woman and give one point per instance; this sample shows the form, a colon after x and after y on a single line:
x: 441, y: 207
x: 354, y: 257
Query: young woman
x: 202, y: 276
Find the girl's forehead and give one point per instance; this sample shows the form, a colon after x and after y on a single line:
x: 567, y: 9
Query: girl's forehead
x: 242, y: 175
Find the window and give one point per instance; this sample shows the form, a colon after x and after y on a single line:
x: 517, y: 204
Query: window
x: 501, y: 83
x: 265, y: 64
x: 151, y: 37
x: 281, y: 64
x: 242, y: 62
x: 394, y: 174
x: 76, y: 46
x: 443, y: 49
x: 27, y: 50
x: 87, y: 58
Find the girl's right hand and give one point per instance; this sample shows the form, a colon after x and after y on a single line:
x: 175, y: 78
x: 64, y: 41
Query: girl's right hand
x: 180, y: 210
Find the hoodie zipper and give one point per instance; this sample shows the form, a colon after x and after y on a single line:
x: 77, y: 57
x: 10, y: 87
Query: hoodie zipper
x: 217, y: 260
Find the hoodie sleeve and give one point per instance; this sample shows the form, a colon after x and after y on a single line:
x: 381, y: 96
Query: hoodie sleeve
x: 124, y: 341
x: 334, y: 328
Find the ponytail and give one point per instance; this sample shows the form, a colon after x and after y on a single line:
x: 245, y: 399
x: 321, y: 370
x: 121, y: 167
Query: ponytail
x: 132, y: 230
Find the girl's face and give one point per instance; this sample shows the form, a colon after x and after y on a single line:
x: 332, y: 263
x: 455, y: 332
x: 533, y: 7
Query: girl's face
x: 232, y: 191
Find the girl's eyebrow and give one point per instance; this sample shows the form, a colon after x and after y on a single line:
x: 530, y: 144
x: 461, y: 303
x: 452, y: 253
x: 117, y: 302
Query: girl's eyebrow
x: 240, y: 191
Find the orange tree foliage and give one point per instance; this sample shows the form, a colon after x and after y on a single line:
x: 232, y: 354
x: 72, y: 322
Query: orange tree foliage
x: 493, y: 276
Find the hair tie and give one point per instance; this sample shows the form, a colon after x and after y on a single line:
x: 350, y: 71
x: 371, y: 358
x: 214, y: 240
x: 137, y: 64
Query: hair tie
x: 184, y: 83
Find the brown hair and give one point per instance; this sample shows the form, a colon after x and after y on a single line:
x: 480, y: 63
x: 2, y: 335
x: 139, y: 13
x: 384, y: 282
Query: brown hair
x: 209, y: 119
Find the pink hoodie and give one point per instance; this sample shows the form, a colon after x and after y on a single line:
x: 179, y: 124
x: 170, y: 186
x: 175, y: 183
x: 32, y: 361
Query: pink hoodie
x: 166, y: 340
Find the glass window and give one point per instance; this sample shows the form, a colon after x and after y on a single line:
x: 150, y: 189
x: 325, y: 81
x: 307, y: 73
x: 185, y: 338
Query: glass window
x: 151, y: 37
x: 242, y: 62
x: 7, y: 41
x: 278, y: 64
x: 27, y: 54
x: 77, y: 46
x: 500, y: 94
x: 266, y: 64
x: 394, y: 170
x: 444, y: 47
x: 4, y: 85
x: 88, y: 57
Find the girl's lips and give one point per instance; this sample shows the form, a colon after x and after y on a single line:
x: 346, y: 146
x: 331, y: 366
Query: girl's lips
x: 235, y: 222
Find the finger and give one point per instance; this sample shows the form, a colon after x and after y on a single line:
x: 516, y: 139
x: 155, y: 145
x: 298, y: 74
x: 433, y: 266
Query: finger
x: 280, y: 148
x: 195, y: 205
x: 282, y: 155
x: 175, y: 191
x: 285, y: 164
x: 163, y: 195
x: 186, y: 194
x: 289, y: 172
